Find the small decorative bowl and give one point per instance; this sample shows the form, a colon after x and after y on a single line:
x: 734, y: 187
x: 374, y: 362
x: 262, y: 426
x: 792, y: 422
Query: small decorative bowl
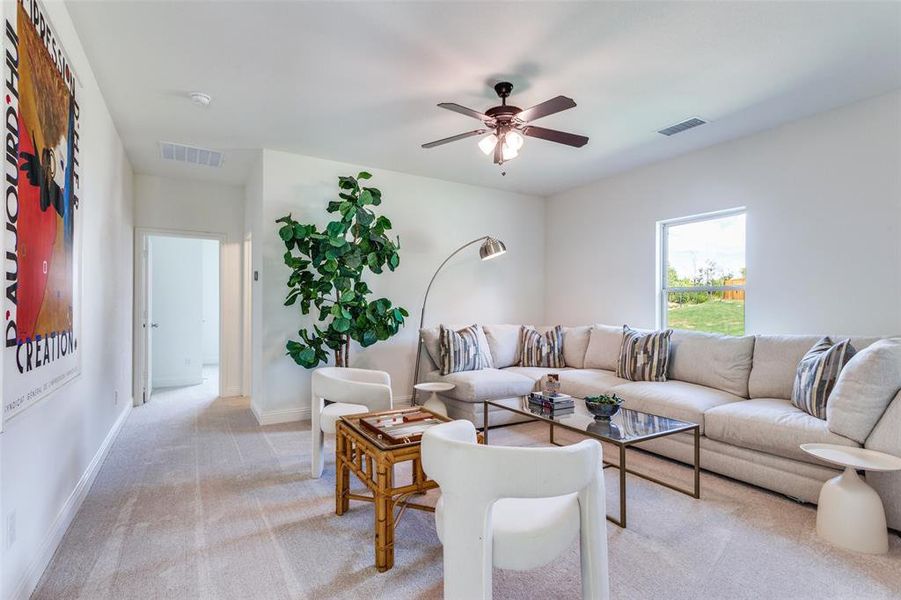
x: 603, y: 410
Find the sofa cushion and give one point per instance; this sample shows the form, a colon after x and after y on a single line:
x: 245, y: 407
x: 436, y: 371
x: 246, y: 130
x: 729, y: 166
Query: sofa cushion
x: 503, y: 340
x: 588, y: 382
x: 575, y: 343
x: 604, y: 343
x: 776, y: 359
x: 536, y: 373
x: 485, y: 384
x: 770, y: 425
x: 644, y: 356
x: 817, y: 373
x: 864, y: 390
x: 673, y: 399
x: 431, y: 340
x: 718, y: 361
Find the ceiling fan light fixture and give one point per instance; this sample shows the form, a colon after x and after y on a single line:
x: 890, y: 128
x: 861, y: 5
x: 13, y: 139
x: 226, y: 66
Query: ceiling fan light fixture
x: 509, y: 152
x: 487, y: 144
x: 514, y: 140
x: 506, y: 125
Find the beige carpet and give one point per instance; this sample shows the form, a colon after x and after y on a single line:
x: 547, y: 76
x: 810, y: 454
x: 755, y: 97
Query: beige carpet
x: 197, y: 501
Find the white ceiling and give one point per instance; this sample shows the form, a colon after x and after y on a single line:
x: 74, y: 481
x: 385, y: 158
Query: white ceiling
x: 358, y: 82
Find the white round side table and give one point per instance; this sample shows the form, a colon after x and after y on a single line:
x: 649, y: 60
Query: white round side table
x: 434, y: 404
x: 850, y: 513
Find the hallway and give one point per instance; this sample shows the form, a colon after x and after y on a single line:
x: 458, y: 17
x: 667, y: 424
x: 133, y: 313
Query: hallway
x: 196, y: 500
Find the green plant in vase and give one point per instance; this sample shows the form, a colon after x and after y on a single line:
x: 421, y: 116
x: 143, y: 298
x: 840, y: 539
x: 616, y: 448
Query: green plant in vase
x: 603, y: 406
x: 327, y: 271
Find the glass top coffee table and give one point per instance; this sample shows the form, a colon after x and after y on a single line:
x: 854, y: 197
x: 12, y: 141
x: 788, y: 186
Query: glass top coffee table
x: 626, y: 428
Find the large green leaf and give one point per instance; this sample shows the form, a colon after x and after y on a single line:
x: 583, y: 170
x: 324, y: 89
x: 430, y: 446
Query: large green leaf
x: 341, y: 324
x: 364, y: 217
x: 336, y: 229
x: 368, y: 338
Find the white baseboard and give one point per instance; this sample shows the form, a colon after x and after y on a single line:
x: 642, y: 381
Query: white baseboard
x: 285, y: 415
x: 231, y: 392
x: 288, y: 415
x: 67, y: 513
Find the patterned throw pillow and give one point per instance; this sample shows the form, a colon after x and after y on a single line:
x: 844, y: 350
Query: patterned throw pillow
x: 817, y: 373
x: 462, y: 350
x: 541, y: 350
x: 644, y: 356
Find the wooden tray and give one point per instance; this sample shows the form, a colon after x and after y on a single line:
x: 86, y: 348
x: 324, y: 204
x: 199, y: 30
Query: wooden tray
x: 401, y: 427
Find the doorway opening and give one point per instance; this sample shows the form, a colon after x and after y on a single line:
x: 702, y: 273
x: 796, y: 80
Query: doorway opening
x: 179, y: 296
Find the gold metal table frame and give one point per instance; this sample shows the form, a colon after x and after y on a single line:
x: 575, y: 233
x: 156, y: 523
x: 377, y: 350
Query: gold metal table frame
x: 359, y: 452
x: 622, y: 445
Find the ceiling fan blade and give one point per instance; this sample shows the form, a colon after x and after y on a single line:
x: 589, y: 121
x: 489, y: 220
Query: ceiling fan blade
x: 499, y: 151
x: 466, y: 111
x: 549, y: 107
x: 454, y: 138
x: 552, y: 135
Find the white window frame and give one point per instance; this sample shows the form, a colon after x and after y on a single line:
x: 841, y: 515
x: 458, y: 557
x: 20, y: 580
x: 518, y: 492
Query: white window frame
x: 662, y: 247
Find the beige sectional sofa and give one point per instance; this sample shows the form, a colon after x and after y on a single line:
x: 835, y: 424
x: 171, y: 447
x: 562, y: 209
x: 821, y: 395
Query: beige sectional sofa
x: 736, y: 388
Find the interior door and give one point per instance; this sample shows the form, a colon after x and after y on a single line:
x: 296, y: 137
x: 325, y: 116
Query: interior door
x: 149, y: 324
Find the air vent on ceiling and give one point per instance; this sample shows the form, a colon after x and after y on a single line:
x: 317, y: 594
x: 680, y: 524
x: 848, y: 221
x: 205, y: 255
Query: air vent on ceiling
x: 680, y: 127
x: 190, y: 154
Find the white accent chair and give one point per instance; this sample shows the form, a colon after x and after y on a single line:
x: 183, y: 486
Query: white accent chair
x: 514, y: 508
x: 351, y: 391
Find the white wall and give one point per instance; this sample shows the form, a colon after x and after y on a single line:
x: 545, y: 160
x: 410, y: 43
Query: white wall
x: 433, y: 218
x: 253, y: 291
x: 51, y: 451
x: 200, y: 207
x: 823, y: 226
x: 210, y: 301
x: 177, y: 304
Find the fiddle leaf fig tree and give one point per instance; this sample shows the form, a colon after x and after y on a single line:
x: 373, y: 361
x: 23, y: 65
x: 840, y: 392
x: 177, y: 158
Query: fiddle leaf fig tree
x: 327, y: 269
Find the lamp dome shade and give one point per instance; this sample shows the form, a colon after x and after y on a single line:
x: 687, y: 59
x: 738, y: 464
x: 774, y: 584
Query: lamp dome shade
x: 491, y: 248
x: 487, y: 144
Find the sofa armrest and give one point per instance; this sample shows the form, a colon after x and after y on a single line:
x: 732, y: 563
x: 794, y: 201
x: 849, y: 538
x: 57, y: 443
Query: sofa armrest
x: 886, y: 437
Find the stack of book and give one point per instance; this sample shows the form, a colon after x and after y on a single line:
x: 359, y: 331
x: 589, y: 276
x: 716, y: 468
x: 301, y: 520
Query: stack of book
x: 551, y: 404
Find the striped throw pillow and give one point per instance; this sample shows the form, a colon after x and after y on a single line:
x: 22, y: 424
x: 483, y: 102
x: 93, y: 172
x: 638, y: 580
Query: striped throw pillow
x: 541, y: 350
x: 462, y: 350
x: 817, y: 373
x: 644, y: 356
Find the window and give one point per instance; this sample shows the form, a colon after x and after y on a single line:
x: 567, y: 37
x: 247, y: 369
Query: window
x: 702, y: 273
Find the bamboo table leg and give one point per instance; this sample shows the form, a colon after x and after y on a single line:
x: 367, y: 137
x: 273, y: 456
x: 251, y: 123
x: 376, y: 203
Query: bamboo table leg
x: 342, y: 476
x: 384, y: 518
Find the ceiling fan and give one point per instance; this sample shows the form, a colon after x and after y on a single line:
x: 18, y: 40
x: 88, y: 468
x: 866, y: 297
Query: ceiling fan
x: 507, y: 124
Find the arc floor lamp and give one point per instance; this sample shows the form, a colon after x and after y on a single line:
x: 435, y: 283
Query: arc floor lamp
x: 490, y: 248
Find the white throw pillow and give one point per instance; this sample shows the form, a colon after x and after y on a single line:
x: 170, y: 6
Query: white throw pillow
x: 603, y: 347
x: 864, y: 390
x: 575, y: 344
x: 503, y: 340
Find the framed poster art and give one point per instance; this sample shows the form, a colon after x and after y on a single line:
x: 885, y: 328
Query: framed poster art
x: 41, y: 300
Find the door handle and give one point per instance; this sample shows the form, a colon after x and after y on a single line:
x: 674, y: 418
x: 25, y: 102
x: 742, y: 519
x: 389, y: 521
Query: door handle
x: 154, y: 325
